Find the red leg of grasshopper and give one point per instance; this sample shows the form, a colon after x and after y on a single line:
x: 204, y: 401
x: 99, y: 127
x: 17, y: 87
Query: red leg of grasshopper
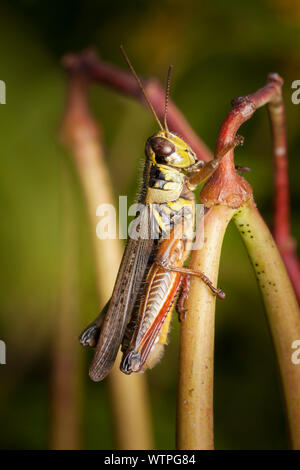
x: 182, y: 296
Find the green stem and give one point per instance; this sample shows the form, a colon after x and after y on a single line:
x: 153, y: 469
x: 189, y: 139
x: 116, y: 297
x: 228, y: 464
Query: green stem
x: 280, y: 303
x: 196, y: 358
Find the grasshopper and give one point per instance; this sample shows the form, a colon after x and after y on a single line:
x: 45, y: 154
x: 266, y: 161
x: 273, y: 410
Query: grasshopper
x: 152, y: 271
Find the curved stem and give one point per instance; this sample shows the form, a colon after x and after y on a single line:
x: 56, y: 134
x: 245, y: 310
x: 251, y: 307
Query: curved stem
x: 281, y: 306
x: 196, y: 363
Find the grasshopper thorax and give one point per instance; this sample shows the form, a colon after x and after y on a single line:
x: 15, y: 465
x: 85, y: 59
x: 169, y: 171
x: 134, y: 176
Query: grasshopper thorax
x: 165, y: 148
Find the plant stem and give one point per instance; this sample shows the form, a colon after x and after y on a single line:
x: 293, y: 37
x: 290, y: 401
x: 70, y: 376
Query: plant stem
x: 131, y: 417
x: 282, y: 224
x: 130, y: 408
x: 67, y: 365
x: 196, y: 359
x: 281, y: 306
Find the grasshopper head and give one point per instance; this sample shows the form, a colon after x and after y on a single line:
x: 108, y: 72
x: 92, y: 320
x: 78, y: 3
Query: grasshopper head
x: 168, y: 149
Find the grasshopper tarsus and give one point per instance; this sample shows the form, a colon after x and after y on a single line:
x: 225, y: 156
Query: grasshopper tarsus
x: 89, y: 336
x: 221, y: 294
x: 131, y: 362
x: 242, y: 169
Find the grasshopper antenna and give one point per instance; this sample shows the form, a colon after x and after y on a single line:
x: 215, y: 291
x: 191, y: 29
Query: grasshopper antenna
x: 141, y: 87
x: 167, y: 98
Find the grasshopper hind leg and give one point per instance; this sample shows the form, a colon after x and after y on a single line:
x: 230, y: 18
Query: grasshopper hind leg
x: 90, y: 335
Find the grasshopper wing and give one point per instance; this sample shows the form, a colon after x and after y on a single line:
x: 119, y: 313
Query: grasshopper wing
x: 130, y: 276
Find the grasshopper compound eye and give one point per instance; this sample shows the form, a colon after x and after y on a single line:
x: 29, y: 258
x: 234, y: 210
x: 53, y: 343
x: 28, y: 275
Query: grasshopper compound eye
x: 161, y: 147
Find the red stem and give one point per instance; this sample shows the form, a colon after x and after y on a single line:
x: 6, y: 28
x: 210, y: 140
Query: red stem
x: 242, y: 110
x: 282, y: 224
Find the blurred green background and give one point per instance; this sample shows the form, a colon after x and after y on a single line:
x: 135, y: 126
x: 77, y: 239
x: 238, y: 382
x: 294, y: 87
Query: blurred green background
x: 220, y: 50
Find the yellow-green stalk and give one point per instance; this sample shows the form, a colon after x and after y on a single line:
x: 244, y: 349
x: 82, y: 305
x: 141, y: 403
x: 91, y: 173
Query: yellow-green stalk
x: 195, y: 385
x: 66, y: 386
x: 280, y: 303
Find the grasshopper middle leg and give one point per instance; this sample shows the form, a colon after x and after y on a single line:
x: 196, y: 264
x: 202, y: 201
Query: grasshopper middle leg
x: 191, y: 272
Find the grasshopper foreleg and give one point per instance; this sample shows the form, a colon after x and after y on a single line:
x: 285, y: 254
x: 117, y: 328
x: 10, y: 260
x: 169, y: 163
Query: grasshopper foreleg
x: 202, y: 171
